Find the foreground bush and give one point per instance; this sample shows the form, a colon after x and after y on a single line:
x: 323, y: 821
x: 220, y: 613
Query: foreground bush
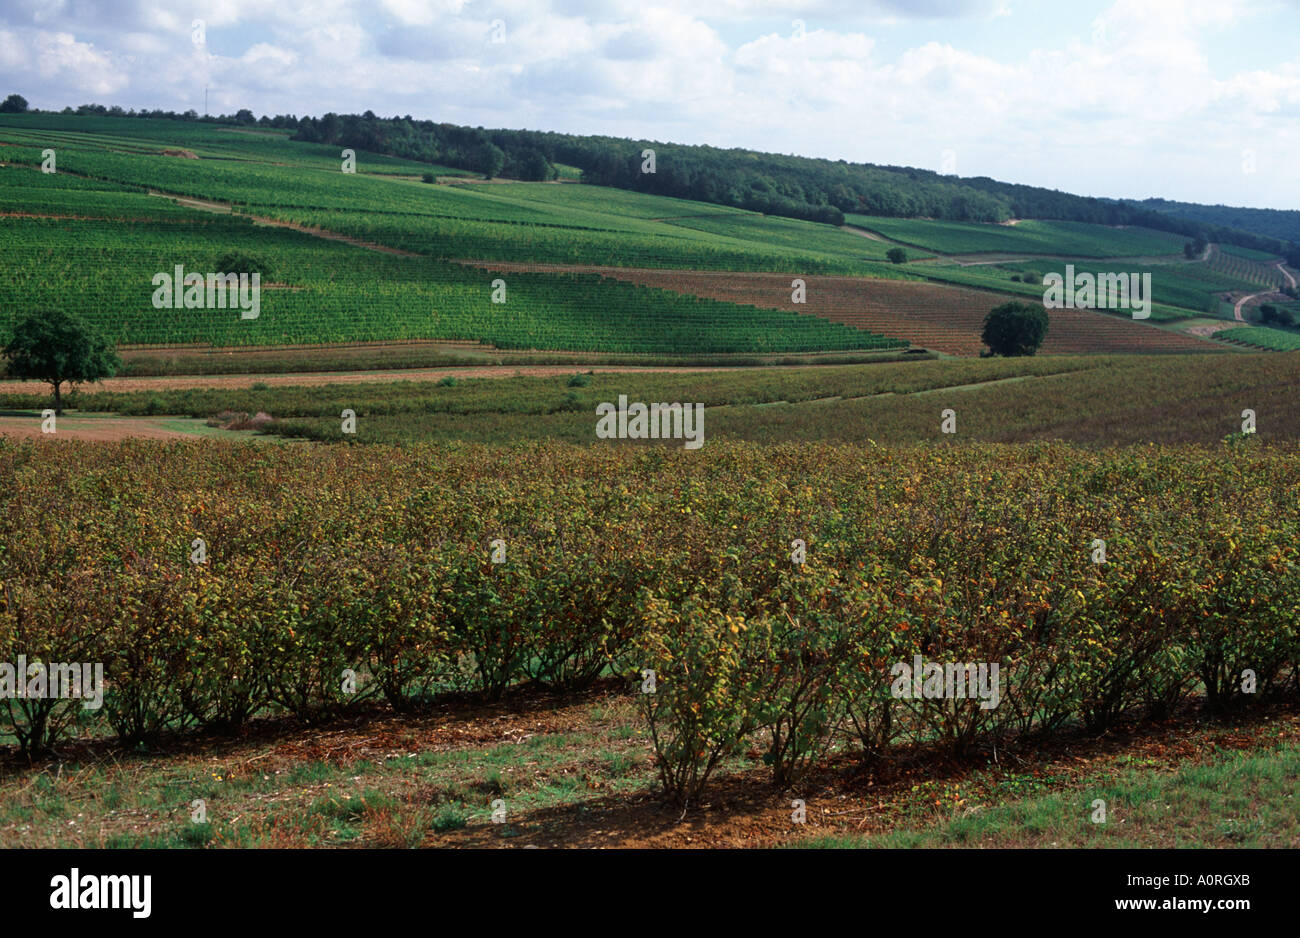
x: 334, y: 575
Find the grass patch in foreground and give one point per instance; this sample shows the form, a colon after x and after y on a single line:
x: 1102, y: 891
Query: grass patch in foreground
x: 1243, y: 799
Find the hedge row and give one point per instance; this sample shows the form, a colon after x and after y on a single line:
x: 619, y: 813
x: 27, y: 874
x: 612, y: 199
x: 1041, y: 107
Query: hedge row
x: 323, y: 561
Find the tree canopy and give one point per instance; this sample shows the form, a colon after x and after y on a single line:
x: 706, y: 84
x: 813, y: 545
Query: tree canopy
x: 56, y: 347
x: 1015, y: 328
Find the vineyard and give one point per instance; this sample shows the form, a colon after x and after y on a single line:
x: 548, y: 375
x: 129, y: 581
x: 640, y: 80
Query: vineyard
x: 1029, y: 236
x: 1279, y: 340
x: 1246, y: 269
x: 945, y: 319
x: 429, y: 571
x: 1131, y: 399
x: 560, y: 223
x: 325, y: 291
x: 108, y: 229
x: 1179, y: 289
x: 1247, y: 253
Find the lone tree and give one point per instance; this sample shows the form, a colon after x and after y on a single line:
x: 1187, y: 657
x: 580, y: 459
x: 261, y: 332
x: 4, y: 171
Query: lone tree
x: 1015, y: 328
x: 237, y: 262
x: 14, y: 104
x: 896, y: 255
x: 58, y: 347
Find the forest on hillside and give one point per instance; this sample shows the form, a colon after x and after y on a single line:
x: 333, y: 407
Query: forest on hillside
x: 810, y: 188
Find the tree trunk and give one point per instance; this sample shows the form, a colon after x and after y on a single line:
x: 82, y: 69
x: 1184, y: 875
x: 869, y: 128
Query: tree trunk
x: 58, y: 399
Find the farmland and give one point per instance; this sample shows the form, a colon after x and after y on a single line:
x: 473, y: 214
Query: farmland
x: 331, y: 292
x: 1028, y: 236
x: 499, y: 579
x: 281, y: 201
x: 1261, y: 337
x: 1179, y: 289
x: 1132, y: 399
x: 937, y: 317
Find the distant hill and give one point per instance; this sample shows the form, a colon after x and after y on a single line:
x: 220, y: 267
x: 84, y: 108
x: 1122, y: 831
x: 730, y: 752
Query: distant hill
x: 793, y: 186
x: 1283, y: 224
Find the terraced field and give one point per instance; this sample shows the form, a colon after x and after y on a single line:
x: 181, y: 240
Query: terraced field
x: 945, y: 319
x: 1031, y: 236
x: 1261, y: 337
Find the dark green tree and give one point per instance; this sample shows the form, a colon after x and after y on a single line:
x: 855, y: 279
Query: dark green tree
x: 14, y: 104
x: 56, y: 347
x: 489, y: 160
x: 1015, y: 328
x: 896, y: 256
x: 237, y: 262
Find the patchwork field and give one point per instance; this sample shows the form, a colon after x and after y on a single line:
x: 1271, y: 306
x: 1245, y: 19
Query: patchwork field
x: 946, y: 319
x: 364, y: 257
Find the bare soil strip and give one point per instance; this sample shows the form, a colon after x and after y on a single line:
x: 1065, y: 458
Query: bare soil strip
x: 315, y: 378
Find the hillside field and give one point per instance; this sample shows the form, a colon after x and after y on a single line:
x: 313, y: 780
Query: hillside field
x: 371, y: 568
x: 365, y: 257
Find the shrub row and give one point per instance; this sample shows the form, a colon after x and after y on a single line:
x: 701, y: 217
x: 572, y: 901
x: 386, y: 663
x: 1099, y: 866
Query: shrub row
x: 432, y: 568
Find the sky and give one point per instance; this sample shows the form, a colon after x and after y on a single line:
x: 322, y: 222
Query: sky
x: 1196, y: 100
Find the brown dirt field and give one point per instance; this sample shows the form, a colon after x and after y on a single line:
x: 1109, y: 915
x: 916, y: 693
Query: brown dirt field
x: 97, y: 429
x: 946, y: 319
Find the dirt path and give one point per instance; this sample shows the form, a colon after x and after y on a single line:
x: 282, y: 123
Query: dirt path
x: 1240, y: 304
x: 331, y: 236
x: 315, y: 378
x: 224, y: 208
x: 221, y: 208
x: 1281, y: 267
x: 864, y: 233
